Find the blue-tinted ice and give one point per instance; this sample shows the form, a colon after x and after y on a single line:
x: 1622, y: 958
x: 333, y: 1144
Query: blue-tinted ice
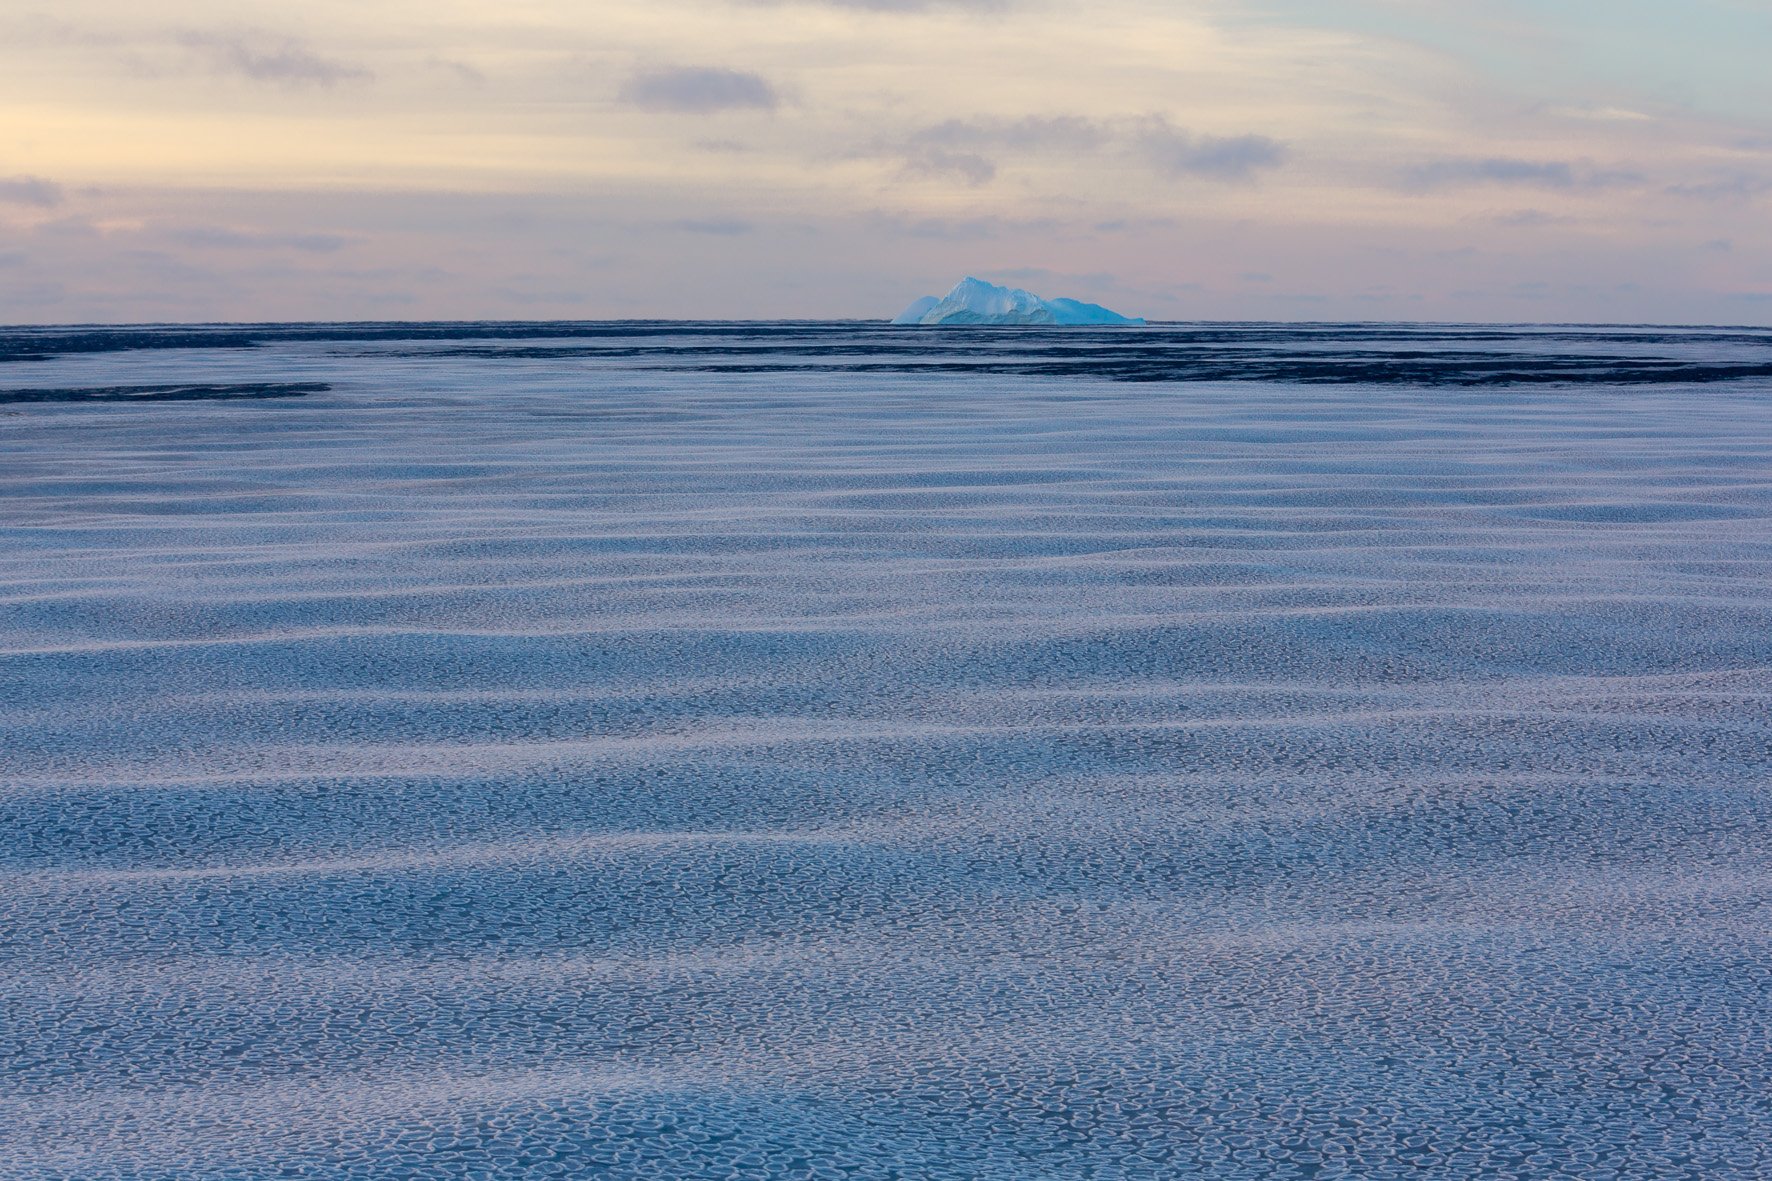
x: 780, y: 752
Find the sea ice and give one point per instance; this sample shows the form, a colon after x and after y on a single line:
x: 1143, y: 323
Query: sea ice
x: 702, y: 751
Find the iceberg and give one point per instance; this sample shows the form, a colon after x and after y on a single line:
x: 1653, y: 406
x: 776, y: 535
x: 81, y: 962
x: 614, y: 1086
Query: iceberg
x: 915, y: 313
x: 973, y: 301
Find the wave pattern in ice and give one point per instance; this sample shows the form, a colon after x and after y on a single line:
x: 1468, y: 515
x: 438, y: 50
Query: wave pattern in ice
x: 585, y: 766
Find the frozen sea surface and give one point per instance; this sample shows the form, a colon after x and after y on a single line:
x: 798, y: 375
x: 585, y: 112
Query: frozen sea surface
x: 812, y: 751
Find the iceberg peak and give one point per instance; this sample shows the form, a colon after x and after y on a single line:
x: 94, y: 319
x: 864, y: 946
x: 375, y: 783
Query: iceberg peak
x: 973, y: 301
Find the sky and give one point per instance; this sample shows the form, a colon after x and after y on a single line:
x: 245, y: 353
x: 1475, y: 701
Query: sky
x: 1551, y: 160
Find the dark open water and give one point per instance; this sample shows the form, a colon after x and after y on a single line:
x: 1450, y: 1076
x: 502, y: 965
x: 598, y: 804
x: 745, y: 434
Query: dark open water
x: 806, y: 750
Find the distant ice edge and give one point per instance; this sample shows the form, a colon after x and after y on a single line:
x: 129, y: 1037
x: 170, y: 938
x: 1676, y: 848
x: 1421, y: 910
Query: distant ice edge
x: 973, y: 301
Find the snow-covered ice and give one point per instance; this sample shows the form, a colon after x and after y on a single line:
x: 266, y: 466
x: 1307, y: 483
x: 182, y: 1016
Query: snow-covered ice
x: 712, y: 751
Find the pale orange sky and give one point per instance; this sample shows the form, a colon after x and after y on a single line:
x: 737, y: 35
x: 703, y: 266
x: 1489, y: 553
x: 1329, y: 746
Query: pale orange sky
x: 734, y: 158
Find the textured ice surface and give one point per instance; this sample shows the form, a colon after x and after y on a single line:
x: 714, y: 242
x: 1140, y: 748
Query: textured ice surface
x: 779, y: 752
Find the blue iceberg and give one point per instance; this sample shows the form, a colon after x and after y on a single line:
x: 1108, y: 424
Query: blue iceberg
x: 973, y: 301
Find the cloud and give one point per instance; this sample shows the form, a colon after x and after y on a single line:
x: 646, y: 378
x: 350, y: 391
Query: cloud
x: 40, y: 29
x: 30, y: 190
x: 965, y: 149
x: 1182, y: 153
x: 1596, y: 114
x: 724, y: 228
x: 1138, y: 225
x: 699, y: 90
x: 1522, y: 219
x: 957, y: 149
x: 1509, y: 170
x: 937, y: 229
x: 222, y: 238
x: 461, y: 71
x: 904, y: 6
x: 282, y: 61
x: 1740, y: 187
x: 967, y: 167
x: 1550, y: 174
x: 69, y: 226
x: 1069, y: 133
